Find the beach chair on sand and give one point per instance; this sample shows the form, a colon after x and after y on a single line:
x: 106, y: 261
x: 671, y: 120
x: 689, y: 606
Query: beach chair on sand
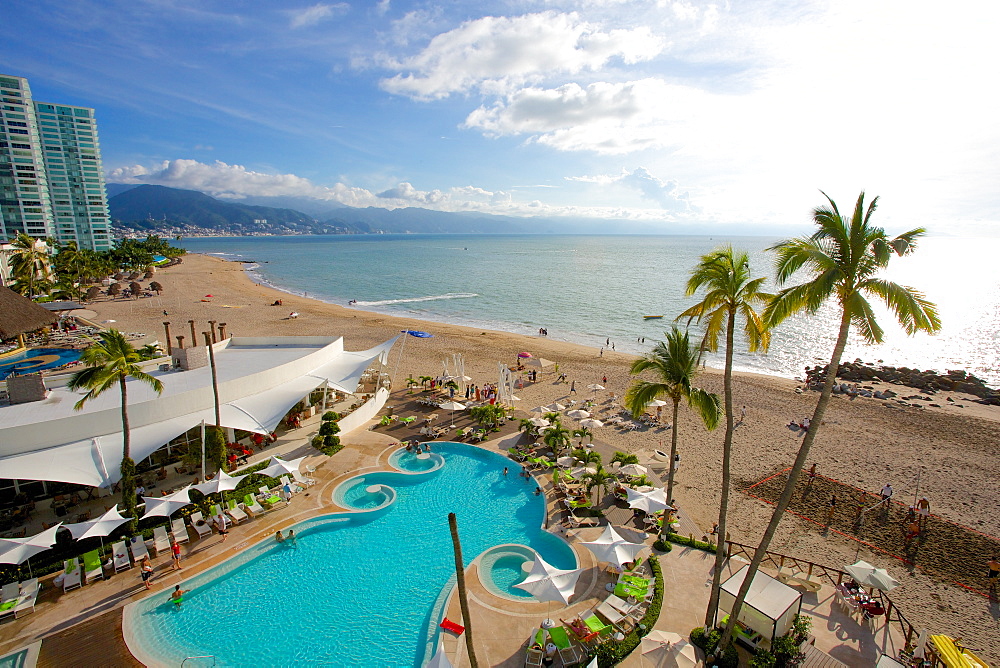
x: 27, y: 596
x: 568, y: 652
x: 72, y: 574
x: 138, y: 548
x: 199, y: 525
x: 179, y: 530
x: 251, y: 506
x: 533, y: 658
x: 235, y: 512
x: 121, y: 560
x: 92, y: 566
x: 161, y: 541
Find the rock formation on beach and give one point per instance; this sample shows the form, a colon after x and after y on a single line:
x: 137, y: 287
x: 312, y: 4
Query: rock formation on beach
x: 928, y: 382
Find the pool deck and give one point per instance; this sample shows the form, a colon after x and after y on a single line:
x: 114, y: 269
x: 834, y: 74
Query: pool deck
x: 86, y: 622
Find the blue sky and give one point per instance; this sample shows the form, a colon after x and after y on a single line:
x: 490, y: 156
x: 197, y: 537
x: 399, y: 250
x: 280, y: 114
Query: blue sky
x: 659, y: 111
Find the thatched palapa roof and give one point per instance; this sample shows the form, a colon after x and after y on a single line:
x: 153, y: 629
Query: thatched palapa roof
x: 20, y: 315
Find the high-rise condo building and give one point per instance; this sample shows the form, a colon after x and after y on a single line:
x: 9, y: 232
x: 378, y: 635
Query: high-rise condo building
x: 51, y: 178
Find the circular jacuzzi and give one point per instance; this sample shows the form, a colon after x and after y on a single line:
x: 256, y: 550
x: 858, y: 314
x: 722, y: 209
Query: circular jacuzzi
x: 502, y: 567
x: 361, y: 494
x: 411, y: 462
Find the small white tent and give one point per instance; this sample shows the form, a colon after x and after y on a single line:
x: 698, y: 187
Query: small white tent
x: 768, y: 611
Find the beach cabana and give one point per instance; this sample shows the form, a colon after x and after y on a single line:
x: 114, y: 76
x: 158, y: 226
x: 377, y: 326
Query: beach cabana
x: 19, y: 316
x: 768, y: 611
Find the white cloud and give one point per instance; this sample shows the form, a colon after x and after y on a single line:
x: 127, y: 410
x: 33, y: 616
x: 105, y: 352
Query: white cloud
x: 664, y: 193
x: 312, y: 15
x: 493, y: 54
x: 382, y: 7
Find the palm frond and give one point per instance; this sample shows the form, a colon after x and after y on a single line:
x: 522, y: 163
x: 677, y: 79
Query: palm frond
x: 863, y: 318
x: 707, y: 406
x: 913, y: 311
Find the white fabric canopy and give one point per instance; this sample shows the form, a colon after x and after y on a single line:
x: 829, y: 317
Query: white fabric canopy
x: 166, y: 505
x: 280, y: 467
x: 222, y: 482
x: 649, y: 502
x: 17, y: 550
x: 547, y: 583
x: 612, y: 548
x: 102, y: 526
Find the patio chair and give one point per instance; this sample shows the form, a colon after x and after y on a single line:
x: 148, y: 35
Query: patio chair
x: 120, y: 555
x: 72, y: 574
x: 216, y: 510
x: 199, y: 525
x: 92, y: 566
x: 251, y: 506
x: 610, y: 614
x: 138, y: 548
x: 302, y: 480
x: 235, y: 512
x: 285, y: 481
x: 179, y: 530
x: 568, y: 652
x: 8, y: 598
x: 161, y: 541
x: 533, y: 658
x: 28, y: 595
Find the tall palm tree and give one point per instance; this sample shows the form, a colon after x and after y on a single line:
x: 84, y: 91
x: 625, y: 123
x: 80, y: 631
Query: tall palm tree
x: 29, y: 265
x: 110, y: 362
x: 583, y: 433
x: 845, y: 255
x: 675, y: 364
x: 730, y: 293
x: 600, y: 479
x: 556, y: 437
x: 463, y: 598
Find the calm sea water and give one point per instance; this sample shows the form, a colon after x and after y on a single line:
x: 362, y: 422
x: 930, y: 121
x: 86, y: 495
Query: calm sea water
x: 588, y: 289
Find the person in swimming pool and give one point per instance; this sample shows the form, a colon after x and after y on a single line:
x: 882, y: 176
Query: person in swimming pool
x: 278, y: 537
x: 178, y: 595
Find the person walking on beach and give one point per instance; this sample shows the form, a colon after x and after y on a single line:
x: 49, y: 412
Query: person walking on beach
x: 601, y: 354
x: 572, y: 387
x: 993, y: 570
x: 812, y: 474
x: 831, y: 509
x: 743, y: 414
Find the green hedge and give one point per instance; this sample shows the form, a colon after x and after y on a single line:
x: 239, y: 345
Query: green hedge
x: 690, y: 542
x: 611, y: 653
x: 709, y: 641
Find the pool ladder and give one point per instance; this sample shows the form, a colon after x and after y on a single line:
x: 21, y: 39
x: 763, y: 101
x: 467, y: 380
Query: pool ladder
x: 206, y: 656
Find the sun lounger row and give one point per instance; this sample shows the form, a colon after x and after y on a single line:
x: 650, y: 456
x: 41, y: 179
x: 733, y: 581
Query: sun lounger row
x: 74, y: 575
x: 17, y: 597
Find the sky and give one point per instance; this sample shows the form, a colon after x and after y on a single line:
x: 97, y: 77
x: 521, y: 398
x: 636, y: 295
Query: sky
x: 667, y: 113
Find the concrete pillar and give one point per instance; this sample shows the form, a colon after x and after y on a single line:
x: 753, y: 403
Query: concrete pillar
x: 211, y: 327
x: 166, y: 327
x: 180, y: 342
x: 194, y: 336
x: 222, y: 331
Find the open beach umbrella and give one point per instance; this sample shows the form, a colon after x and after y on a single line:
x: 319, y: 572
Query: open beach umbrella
x: 566, y: 461
x: 633, y: 470
x: 656, y: 403
x: 540, y: 422
x: 663, y: 648
x: 279, y: 467
x: 166, y: 505
x: 866, y: 574
x: 453, y: 406
x: 612, y: 548
x: 578, y: 414
x: 591, y: 423
x: 547, y: 583
x: 595, y: 387
x: 650, y: 502
x: 439, y: 660
x: 524, y: 356
x: 540, y: 409
x: 19, y: 550
x: 581, y: 471
x: 101, y: 527
x: 554, y: 408
x: 540, y: 362
x: 222, y: 482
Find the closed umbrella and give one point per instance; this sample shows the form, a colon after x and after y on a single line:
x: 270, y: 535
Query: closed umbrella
x: 633, y: 470
x: 19, y: 550
x: 555, y: 408
x: 868, y: 575
x: 102, y: 526
x: 578, y: 414
x: 439, y: 660
x: 612, y: 548
x: 649, y: 502
x: 547, y: 583
x: 666, y: 649
x: 166, y: 505
x: 591, y: 423
x: 453, y: 406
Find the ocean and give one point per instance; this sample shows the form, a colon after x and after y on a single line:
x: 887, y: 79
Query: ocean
x: 589, y: 289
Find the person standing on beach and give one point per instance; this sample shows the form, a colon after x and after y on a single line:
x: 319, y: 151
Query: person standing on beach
x: 175, y: 554
x: 812, y: 474
x: 572, y: 387
x: 743, y: 414
x: 831, y: 509
x: 601, y: 354
x: 993, y: 570
x: 923, y: 511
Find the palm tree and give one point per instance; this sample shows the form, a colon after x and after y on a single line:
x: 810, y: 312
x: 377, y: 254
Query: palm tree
x: 527, y: 427
x: 29, y: 265
x: 587, y: 456
x: 675, y: 364
x: 844, y: 254
x: 583, y: 433
x: 463, y: 598
x: 600, y: 479
x: 730, y: 292
x: 424, y: 380
x: 556, y: 437
x: 111, y: 362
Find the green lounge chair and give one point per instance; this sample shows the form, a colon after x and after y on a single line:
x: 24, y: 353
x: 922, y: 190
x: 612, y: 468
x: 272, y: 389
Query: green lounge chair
x: 92, y: 566
x: 72, y: 575
x: 636, y: 580
x: 567, y: 651
x: 251, y: 506
x: 579, y: 504
x: 596, y: 625
x: 624, y: 590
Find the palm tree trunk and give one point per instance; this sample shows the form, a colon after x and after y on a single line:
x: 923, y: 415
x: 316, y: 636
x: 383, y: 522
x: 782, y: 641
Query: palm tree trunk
x: 727, y: 450
x: 673, y: 451
x: 463, y: 598
x: 127, y: 466
x: 793, y: 475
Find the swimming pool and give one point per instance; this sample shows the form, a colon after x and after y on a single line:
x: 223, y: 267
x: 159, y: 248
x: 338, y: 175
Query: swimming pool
x: 357, y: 588
x: 502, y: 567
x: 37, y: 359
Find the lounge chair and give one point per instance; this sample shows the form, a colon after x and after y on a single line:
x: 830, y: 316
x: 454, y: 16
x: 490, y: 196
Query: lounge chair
x: 533, y: 658
x: 72, y: 574
x: 161, y: 541
x: 595, y: 624
x: 251, y: 506
x: 121, y: 560
x: 568, y: 652
x: 92, y: 566
x: 27, y: 597
x: 270, y: 497
x: 611, y: 615
x: 216, y: 510
x: 8, y: 598
x: 295, y: 488
x: 235, y: 512
x: 199, y: 525
x: 303, y: 480
x: 138, y: 547
x: 179, y: 530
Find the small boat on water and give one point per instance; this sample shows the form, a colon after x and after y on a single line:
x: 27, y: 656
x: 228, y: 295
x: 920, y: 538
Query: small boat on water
x: 651, y: 317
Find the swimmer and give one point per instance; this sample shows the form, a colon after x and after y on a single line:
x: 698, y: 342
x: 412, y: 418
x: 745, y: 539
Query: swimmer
x: 278, y: 537
x: 178, y: 595
x: 538, y: 491
x: 505, y: 472
x: 291, y: 536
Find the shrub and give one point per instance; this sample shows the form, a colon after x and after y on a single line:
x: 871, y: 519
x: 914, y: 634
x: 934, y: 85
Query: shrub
x: 611, y: 653
x: 330, y: 415
x: 690, y: 542
x: 763, y: 659
x: 662, y: 545
x: 624, y: 458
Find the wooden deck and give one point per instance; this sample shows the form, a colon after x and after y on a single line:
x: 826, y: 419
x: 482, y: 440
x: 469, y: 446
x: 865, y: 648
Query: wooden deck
x: 95, y: 642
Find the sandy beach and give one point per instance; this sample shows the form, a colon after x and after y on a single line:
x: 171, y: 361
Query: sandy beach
x: 865, y: 443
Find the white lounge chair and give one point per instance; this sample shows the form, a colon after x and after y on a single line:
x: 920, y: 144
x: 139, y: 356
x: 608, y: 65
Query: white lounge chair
x: 226, y: 520
x: 72, y: 574
x: 199, y: 525
x: 235, y: 512
x: 252, y: 507
x: 179, y: 530
x: 161, y: 541
x: 120, y: 556
x: 93, y: 567
x: 27, y: 597
x: 8, y: 598
x: 533, y: 658
x: 285, y: 481
x: 303, y: 480
x: 138, y: 548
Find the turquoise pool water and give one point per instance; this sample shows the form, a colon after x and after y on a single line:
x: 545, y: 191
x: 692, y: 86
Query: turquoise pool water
x: 37, y: 359
x: 359, y: 589
x: 500, y: 568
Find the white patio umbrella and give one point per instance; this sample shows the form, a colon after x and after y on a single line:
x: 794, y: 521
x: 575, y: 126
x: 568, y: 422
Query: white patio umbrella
x: 540, y: 409
x: 220, y: 484
x: 866, y: 574
x: 555, y: 408
x: 19, y: 550
x: 614, y: 549
x: 101, y: 527
x: 595, y: 387
x: 591, y: 423
x: 656, y: 403
x: 547, y: 583
x: 633, y: 470
x: 566, y: 461
x: 279, y: 467
x: 439, y: 660
x: 650, y: 502
x: 540, y: 422
x: 453, y: 406
x: 578, y: 414
x: 663, y: 648
x: 581, y: 471
x: 166, y: 505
